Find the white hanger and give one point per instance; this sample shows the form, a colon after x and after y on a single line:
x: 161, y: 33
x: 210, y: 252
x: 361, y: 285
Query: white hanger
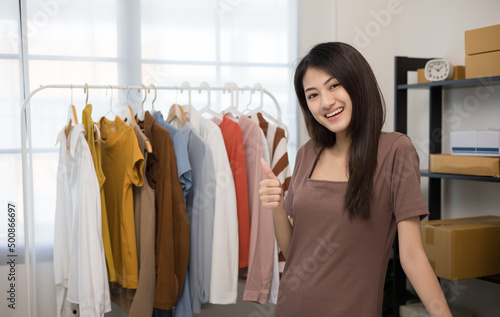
x: 128, y: 114
x: 233, y: 108
x: 185, y: 85
x: 207, y: 108
x: 142, y: 113
x: 153, y: 102
x: 267, y: 115
x: 247, y: 107
x: 110, y: 102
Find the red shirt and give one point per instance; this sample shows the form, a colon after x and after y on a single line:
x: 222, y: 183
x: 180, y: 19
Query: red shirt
x: 233, y: 139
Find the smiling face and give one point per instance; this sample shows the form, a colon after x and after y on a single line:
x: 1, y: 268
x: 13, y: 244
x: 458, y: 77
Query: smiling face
x: 327, y: 100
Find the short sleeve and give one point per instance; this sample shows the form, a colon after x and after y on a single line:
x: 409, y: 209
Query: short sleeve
x: 406, y: 196
x: 137, y: 162
x: 183, y: 164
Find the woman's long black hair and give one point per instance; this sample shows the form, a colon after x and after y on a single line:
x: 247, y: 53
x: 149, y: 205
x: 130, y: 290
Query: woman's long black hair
x: 353, y: 72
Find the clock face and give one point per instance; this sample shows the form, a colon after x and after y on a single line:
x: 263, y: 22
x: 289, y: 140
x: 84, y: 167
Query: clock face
x: 437, y: 70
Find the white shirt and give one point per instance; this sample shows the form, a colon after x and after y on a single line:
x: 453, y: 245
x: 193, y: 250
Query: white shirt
x: 225, y: 250
x: 79, y: 265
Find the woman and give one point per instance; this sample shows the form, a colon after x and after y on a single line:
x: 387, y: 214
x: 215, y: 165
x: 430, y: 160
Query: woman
x: 351, y: 188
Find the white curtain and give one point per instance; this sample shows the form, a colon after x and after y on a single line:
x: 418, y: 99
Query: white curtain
x: 124, y: 42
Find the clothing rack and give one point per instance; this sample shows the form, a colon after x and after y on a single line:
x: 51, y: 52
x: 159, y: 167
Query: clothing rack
x: 27, y: 162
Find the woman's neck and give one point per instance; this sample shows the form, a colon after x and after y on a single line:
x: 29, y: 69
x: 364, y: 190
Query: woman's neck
x: 342, y: 145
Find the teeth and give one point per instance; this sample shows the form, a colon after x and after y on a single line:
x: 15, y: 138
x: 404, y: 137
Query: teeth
x: 339, y: 110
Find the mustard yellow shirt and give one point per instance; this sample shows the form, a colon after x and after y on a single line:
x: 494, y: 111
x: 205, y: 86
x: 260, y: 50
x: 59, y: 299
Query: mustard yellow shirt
x: 95, y: 150
x: 122, y: 164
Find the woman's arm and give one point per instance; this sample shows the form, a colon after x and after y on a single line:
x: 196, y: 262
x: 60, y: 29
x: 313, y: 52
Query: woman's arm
x: 416, y: 266
x: 271, y: 196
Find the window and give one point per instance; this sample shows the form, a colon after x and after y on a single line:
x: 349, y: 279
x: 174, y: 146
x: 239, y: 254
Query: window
x: 127, y: 42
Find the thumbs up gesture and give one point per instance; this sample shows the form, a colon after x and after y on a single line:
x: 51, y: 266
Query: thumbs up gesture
x: 271, y: 192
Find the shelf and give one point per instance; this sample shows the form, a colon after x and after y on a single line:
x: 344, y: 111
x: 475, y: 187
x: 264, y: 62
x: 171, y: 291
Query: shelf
x: 472, y: 82
x: 426, y: 173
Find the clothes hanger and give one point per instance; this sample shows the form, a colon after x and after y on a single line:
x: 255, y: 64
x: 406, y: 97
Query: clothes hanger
x: 128, y: 114
x: 95, y: 126
x: 145, y: 96
x: 247, y: 107
x: 128, y: 117
x: 72, y: 117
x: 153, y: 102
x: 98, y: 132
x: 176, y: 111
x: 147, y: 144
x: 142, y: 113
x: 233, y: 108
x: 86, y: 90
x: 110, y: 103
x: 207, y: 108
x: 271, y: 118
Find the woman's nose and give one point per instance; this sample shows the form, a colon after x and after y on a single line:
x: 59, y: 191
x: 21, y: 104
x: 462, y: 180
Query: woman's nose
x: 328, y: 100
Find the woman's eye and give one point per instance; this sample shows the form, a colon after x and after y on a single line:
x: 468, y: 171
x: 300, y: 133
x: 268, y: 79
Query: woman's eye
x: 334, y: 86
x: 311, y: 96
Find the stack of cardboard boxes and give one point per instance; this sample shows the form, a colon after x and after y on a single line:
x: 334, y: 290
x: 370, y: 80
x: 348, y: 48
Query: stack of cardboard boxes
x: 468, y: 247
x: 482, y: 49
x: 475, y: 152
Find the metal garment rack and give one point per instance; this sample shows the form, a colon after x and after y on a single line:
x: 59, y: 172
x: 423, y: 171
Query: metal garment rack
x: 27, y: 161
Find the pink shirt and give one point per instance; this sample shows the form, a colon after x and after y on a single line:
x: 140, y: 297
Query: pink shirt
x: 261, y: 256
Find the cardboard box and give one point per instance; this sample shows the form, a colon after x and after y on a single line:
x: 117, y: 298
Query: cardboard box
x: 482, y: 65
x: 475, y: 143
x: 482, y: 40
x: 458, y: 73
x: 463, y: 248
x: 418, y: 310
x: 421, y: 76
x: 464, y: 165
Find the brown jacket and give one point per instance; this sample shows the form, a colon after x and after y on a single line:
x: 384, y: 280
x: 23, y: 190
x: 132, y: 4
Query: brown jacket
x: 172, y: 224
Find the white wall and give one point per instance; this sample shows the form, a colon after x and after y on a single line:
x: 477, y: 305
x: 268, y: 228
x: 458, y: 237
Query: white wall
x: 382, y: 29
x: 316, y: 25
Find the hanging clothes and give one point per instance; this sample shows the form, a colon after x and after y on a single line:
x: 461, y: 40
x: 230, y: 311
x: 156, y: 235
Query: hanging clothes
x: 277, y: 145
x: 200, y: 204
x: 122, y: 163
x: 172, y: 226
x: 95, y: 151
x: 180, y: 148
x: 224, y: 274
x: 183, y: 305
x: 275, y: 280
x: 139, y: 302
x: 260, y: 268
x: 183, y: 308
x: 79, y: 260
x: 233, y: 139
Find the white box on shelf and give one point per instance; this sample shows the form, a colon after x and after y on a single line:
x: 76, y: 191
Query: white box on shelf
x: 475, y: 143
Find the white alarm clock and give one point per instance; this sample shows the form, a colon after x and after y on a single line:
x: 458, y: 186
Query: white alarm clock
x: 438, y: 70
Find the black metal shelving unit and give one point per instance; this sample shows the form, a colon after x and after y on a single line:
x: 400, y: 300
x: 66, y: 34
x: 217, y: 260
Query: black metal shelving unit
x: 402, y: 65
x: 426, y: 173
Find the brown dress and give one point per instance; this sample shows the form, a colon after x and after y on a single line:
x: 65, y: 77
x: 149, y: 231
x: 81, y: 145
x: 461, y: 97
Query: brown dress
x: 337, y: 266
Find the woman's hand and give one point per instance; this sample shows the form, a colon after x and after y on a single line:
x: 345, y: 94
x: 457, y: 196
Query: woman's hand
x: 271, y: 192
